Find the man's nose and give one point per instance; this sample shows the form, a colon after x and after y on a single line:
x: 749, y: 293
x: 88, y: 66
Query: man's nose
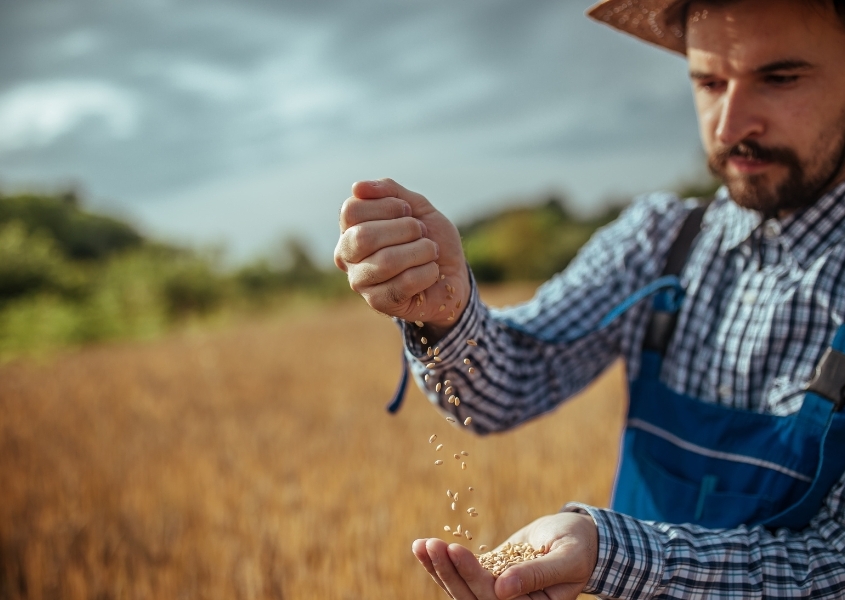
x: 739, y: 117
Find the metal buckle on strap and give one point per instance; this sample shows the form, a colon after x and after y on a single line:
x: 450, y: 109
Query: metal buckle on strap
x: 829, y: 379
x: 660, y: 330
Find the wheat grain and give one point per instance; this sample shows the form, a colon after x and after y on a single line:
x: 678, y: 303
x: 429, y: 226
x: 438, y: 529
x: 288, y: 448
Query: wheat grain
x: 432, y: 438
x: 468, y: 420
x: 498, y: 561
x: 472, y: 343
x: 438, y: 462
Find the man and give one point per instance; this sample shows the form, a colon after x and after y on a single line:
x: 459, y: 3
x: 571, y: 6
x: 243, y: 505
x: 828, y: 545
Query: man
x: 731, y: 482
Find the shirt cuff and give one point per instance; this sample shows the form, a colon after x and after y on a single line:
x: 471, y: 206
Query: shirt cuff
x: 453, y: 344
x: 630, y: 561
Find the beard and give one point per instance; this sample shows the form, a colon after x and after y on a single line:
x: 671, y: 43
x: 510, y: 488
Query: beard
x: 801, y: 187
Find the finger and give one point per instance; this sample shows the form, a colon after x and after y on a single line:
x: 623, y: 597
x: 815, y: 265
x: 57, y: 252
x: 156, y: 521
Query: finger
x: 385, y: 188
x: 438, y: 552
x: 362, y: 240
x: 538, y: 574
x: 419, y: 550
x: 393, y: 297
x: 389, y: 262
x: 476, y: 577
x: 355, y: 211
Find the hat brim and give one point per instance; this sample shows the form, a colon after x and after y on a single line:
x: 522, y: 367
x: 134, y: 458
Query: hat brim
x: 657, y: 22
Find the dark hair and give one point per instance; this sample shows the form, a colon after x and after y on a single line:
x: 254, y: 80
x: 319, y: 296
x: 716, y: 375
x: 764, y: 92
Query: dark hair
x: 838, y: 6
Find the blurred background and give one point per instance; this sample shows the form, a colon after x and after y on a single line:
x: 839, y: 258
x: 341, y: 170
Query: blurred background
x: 170, y: 177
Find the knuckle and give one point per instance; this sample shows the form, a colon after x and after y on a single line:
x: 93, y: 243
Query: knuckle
x: 356, y: 237
x: 395, y: 296
x: 346, y: 209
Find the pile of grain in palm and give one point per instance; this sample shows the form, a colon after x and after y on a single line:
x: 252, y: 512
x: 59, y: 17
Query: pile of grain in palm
x: 497, y: 561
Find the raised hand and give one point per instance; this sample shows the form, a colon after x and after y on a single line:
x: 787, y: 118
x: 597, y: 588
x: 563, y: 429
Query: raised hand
x: 400, y: 253
x: 561, y: 574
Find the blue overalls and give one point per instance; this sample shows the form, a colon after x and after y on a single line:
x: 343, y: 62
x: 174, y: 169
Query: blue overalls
x: 688, y: 461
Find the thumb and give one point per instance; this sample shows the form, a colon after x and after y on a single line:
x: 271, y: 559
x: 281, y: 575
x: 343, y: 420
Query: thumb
x: 538, y: 574
x: 387, y: 188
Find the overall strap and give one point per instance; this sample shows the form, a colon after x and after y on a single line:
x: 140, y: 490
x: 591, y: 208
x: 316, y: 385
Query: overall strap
x: 663, y: 319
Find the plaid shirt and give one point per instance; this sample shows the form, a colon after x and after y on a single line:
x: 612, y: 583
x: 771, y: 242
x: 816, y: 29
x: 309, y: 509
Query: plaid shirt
x: 764, y: 299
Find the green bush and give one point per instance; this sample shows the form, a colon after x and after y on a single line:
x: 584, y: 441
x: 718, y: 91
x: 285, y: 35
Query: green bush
x: 31, y: 263
x: 78, y: 234
x: 527, y: 243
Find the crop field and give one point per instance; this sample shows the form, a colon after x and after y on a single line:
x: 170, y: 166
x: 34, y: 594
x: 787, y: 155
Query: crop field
x: 255, y: 460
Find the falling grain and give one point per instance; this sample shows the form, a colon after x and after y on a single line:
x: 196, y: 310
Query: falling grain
x: 432, y: 438
x: 468, y: 420
x: 438, y: 462
x: 472, y: 343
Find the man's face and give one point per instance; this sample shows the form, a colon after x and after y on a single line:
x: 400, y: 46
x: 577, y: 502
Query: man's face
x: 769, y: 85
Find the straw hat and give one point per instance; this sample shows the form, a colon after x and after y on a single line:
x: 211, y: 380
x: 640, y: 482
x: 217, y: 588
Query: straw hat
x: 658, y: 22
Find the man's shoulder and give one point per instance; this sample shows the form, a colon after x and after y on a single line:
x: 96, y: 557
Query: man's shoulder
x: 659, y: 211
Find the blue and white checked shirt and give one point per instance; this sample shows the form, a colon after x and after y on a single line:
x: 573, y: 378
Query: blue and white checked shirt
x: 764, y: 299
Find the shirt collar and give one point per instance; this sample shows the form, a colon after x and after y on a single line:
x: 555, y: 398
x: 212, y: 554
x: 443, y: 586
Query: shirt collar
x: 809, y: 232
x: 806, y: 234
x: 737, y: 223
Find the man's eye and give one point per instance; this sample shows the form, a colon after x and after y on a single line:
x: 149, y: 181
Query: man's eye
x: 710, y: 85
x: 781, y: 79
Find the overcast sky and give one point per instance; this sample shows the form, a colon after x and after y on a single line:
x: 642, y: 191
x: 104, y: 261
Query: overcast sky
x: 240, y: 121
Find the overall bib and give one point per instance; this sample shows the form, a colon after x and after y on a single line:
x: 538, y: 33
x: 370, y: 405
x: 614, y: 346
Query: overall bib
x: 684, y: 460
x: 688, y: 461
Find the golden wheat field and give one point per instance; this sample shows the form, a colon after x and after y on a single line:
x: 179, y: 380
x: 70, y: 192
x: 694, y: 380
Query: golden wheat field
x: 256, y: 461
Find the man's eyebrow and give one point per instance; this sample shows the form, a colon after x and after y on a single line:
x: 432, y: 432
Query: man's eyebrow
x: 774, y: 67
x: 697, y: 75
x: 784, y: 65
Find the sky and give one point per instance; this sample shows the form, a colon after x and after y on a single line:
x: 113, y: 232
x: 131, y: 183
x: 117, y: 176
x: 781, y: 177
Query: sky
x: 241, y: 122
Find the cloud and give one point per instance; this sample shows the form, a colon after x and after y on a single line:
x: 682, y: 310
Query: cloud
x: 37, y: 114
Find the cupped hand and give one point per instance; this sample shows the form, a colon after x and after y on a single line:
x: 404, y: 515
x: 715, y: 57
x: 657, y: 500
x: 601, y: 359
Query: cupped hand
x: 560, y: 574
x: 400, y: 253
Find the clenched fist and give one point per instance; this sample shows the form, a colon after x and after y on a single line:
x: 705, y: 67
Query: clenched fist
x: 400, y: 254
